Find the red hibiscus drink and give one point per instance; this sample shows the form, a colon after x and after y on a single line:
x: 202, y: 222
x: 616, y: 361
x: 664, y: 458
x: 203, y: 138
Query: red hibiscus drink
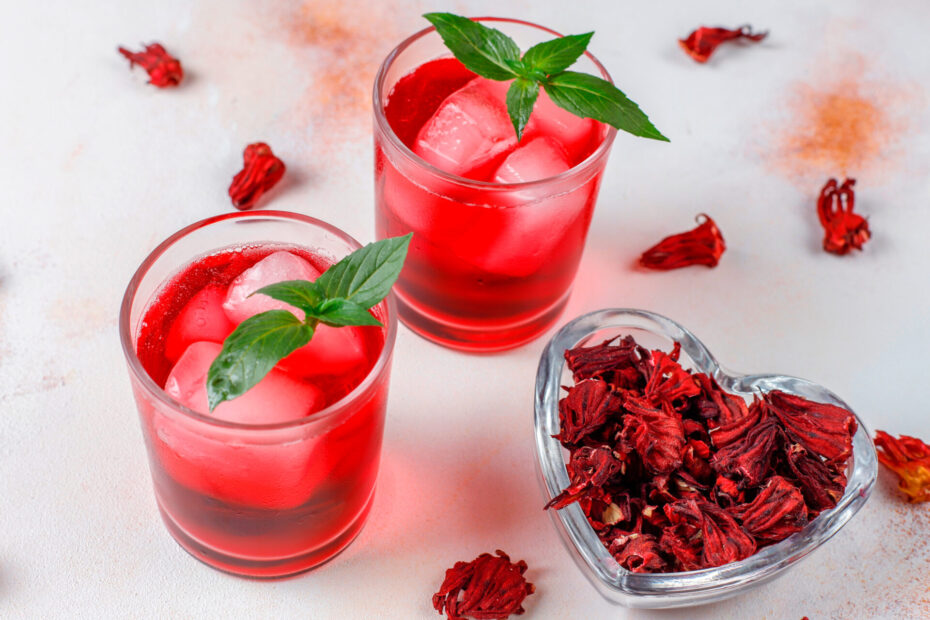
x: 281, y: 478
x: 499, y: 223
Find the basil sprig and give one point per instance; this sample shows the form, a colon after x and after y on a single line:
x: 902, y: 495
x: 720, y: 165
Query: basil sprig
x: 341, y: 296
x: 493, y: 55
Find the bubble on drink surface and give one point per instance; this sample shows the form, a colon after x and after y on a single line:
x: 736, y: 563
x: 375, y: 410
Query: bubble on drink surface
x: 470, y: 131
x: 276, y: 267
x: 202, y: 318
x: 332, y: 351
x: 276, y: 398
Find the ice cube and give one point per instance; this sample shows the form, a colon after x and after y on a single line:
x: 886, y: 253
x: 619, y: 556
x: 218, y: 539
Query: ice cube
x: 469, y: 132
x: 201, y: 319
x: 277, y: 267
x: 517, y: 240
x: 537, y: 159
x: 573, y: 133
x: 276, y: 398
x: 251, y: 469
x: 332, y: 351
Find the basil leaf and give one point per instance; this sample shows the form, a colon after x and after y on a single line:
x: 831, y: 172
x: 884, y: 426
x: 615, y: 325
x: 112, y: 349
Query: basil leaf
x: 300, y: 293
x: 557, y: 55
x: 521, y: 97
x: 591, y: 97
x: 366, y: 275
x: 483, y: 50
x: 341, y: 312
x: 251, y: 351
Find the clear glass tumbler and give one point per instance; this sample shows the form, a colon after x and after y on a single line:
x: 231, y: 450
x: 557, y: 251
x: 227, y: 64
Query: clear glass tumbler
x: 491, y: 264
x: 258, y: 500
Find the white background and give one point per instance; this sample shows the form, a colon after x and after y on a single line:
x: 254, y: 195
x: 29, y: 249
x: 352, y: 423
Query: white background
x: 96, y: 168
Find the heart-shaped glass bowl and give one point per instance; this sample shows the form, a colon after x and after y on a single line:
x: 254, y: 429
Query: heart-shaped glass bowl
x: 657, y: 590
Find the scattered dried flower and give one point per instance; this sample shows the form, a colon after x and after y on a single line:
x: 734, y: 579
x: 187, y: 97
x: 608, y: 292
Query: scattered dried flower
x: 164, y: 70
x: 487, y: 588
x: 703, y: 245
x: 702, y: 43
x: 908, y: 457
x: 260, y: 172
x: 844, y: 230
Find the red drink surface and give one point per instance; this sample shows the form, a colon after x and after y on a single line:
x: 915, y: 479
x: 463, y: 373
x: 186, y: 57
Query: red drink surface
x: 259, y: 502
x: 487, y: 265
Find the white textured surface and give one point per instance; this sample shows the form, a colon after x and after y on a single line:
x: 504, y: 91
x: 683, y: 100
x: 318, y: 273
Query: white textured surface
x: 97, y: 167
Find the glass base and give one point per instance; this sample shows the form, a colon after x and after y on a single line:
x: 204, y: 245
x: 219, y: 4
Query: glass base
x: 477, y: 338
x: 265, y: 569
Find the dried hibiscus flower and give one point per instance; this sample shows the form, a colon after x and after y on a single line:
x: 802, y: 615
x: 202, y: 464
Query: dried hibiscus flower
x: 586, y: 408
x: 703, y: 245
x: 702, y: 43
x: 673, y: 473
x: 489, y: 587
x: 908, y: 457
x: 260, y: 172
x: 844, y: 230
x: 164, y: 69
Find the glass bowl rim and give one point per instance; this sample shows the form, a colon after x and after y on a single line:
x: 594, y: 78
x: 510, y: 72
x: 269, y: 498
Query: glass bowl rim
x: 670, y: 589
x: 139, y: 373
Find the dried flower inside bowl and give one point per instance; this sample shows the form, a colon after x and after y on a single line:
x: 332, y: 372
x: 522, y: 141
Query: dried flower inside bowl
x: 675, y: 482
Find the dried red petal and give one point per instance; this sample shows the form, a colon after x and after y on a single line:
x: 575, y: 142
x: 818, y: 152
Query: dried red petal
x: 638, y: 553
x: 750, y: 457
x: 655, y: 434
x: 703, y: 245
x: 714, y: 403
x: 624, y: 364
x: 164, y: 70
x: 844, y: 230
x: 683, y: 543
x: 777, y: 512
x: 823, y: 429
x: 487, y: 588
x: 908, y: 457
x: 670, y: 384
x: 736, y: 429
x: 588, y: 468
x: 585, y: 409
x: 260, y: 172
x: 701, y: 43
x: 727, y: 492
x: 723, y: 539
x: 821, y: 484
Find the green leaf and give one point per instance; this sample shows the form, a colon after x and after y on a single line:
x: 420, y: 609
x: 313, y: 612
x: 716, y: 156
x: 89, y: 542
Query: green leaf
x: 483, y: 50
x: 366, y: 275
x: 521, y: 97
x: 341, y: 312
x: 251, y: 351
x: 300, y: 293
x: 558, y: 54
x: 591, y: 97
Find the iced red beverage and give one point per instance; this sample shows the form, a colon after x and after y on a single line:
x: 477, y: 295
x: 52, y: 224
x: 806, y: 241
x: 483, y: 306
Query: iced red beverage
x: 499, y: 224
x: 281, y: 478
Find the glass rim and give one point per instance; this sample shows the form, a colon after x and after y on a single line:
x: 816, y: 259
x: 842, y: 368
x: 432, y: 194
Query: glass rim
x: 674, y: 589
x: 600, y: 153
x: 141, y: 375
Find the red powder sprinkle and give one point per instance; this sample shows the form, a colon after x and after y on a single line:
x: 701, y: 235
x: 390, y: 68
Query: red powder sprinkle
x: 164, y: 70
